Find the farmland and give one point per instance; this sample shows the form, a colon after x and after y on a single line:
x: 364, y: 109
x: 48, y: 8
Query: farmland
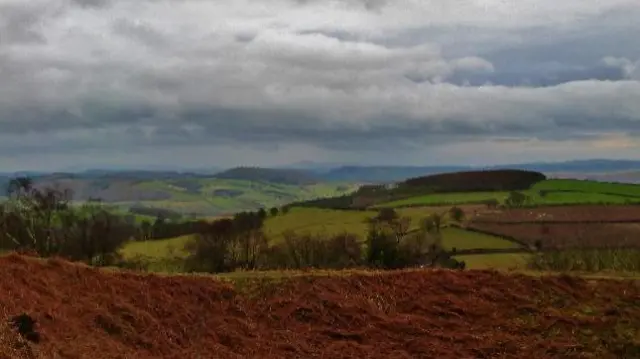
x: 190, y: 194
x: 321, y: 221
x: 584, y: 186
x: 255, y: 303
x: 582, y: 213
x: 447, y: 199
x: 499, y: 234
x: 516, y: 261
x: 546, y: 192
x: 567, y: 235
x: 461, y: 239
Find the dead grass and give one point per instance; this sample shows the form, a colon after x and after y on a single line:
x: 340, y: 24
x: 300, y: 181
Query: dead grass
x: 84, y: 312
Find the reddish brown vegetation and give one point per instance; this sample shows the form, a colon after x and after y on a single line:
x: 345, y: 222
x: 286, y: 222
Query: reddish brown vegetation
x: 581, y: 213
x: 87, y: 313
x: 564, y: 235
x: 469, y: 181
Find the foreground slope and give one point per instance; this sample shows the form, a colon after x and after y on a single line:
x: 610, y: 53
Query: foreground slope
x: 88, y: 313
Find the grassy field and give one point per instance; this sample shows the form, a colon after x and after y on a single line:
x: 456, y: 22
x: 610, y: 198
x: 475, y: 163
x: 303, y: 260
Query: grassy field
x: 495, y: 261
x: 327, y: 221
x: 461, y: 239
x: 622, y: 189
x: 157, y: 249
x: 300, y: 220
x: 220, y: 196
x: 447, y: 198
x: 549, y: 192
x: 205, y: 196
x: 555, y: 198
x: 314, y: 221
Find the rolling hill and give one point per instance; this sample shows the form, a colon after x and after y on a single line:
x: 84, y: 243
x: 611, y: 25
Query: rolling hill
x: 284, y: 176
x: 188, y: 193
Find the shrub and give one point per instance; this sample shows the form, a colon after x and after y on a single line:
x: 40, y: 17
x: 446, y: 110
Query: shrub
x: 386, y: 215
x: 516, y: 199
x: 456, y: 213
x: 300, y: 251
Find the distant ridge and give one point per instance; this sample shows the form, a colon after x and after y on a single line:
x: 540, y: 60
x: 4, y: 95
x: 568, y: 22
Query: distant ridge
x: 284, y: 176
x: 311, y: 172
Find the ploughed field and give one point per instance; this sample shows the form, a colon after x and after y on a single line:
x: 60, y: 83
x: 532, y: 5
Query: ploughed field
x: 564, y: 227
x: 565, y: 235
x: 577, y: 213
x: 84, y: 312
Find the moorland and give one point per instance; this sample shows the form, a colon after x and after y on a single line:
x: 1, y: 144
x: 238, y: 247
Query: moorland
x: 477, y: 263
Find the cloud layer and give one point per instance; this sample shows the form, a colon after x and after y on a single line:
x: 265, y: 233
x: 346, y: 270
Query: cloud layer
x: 236, y: 81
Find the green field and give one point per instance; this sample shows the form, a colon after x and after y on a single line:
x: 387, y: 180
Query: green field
x: 495, y: 261
x: 548, y: 192
x: 299, y: 220
x: 321, y: 221
x: 570, y: 185
x: 328, y: 221
x: 157, y: 249
x: 461, y: 239
x: 447, y: 198
x: 211, y: 196
x: 555, y: 198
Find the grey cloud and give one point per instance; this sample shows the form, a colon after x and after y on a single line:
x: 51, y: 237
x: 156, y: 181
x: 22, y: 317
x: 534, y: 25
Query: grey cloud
x: 20, y: 24
x: 541, y: 78
x: 370, y: 5
x: 139, y: 32
x: 271, y: 79
x: 92, y: 4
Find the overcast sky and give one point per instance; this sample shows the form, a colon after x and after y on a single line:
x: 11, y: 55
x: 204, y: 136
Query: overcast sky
x: 197, y: 83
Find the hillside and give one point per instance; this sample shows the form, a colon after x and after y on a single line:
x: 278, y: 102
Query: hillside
x: 481, y: 185
x: 403, y: 314
x: 283, y: 176
x: 471, y: 181
x: 187, y: 193
x: 547, y: 192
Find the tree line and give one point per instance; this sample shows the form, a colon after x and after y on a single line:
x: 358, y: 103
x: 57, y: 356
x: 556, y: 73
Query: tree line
x: 390, y: 243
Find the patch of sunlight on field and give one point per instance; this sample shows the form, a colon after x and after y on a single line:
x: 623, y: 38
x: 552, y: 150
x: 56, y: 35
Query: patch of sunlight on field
x: 327, y: 221
x: 163, y: 248
x: 316, y: 220
x: 461, y: 239
x: 495, y: 261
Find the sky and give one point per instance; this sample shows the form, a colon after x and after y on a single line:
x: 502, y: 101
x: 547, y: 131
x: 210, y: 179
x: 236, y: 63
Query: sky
x: 198, y: 83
